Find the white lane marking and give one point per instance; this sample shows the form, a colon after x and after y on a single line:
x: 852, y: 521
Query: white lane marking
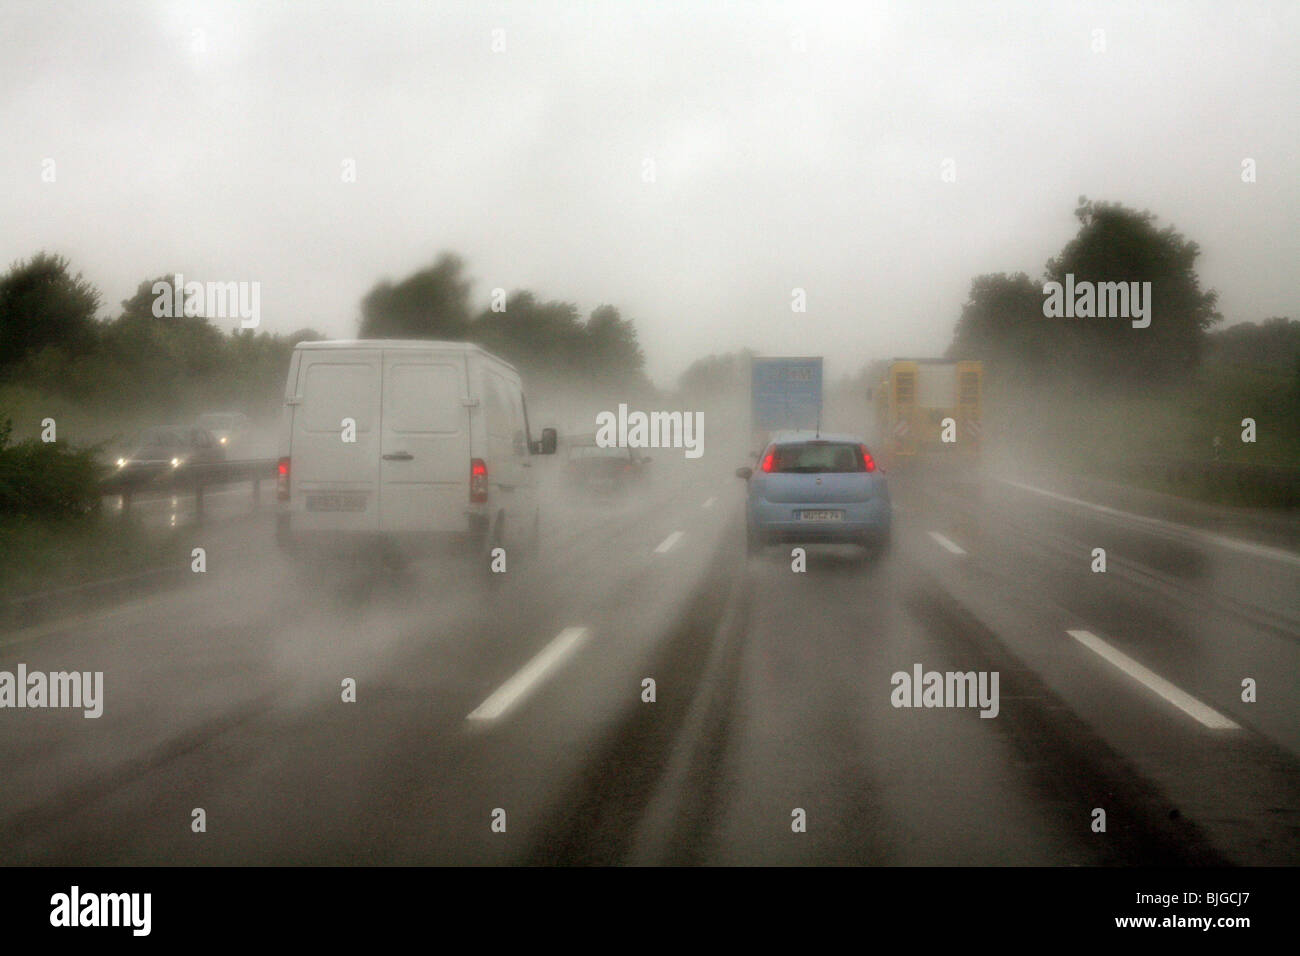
x: 1258, y: 550
x: 667, y: 543
x: 530, y: 675
x: 946, y: 543
x: 709, y: 503
x: 1183, y: 701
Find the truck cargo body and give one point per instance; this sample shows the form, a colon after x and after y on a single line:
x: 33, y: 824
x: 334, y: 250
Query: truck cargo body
x: 930, y: 407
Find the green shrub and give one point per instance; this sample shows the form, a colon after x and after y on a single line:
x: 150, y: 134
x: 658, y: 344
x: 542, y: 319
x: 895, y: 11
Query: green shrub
x: 46, y: 479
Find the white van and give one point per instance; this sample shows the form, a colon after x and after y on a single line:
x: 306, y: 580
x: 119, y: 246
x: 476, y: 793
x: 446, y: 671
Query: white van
x: 406, y: 443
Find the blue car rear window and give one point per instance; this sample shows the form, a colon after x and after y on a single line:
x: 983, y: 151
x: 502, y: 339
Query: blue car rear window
x: 817, y: 458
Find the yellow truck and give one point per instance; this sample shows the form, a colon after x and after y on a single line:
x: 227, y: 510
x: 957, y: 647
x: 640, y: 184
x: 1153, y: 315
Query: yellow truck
x: 929, y: 407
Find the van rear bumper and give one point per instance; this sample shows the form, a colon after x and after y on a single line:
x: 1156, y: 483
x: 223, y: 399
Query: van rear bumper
x: 333, y: 543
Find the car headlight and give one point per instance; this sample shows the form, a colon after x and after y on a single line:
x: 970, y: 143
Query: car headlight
x: 176, y: 462
x: 121, y: 463
x: 223, y: 440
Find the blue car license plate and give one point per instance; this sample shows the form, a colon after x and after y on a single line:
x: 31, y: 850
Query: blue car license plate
x: 821, y: 515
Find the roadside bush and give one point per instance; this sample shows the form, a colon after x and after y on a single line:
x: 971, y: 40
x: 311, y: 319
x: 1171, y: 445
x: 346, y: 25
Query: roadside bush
x: 46, y: 479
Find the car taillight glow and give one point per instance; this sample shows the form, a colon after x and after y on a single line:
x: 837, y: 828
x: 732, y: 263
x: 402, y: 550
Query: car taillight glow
x: 867, y: 460
x: 768, y: 460
x: 478, y: 481
x: 282, y: 479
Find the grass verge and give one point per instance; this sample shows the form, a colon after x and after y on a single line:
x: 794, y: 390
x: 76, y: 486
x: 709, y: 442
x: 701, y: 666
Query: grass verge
x: 38, y: 555
x: 1132, y: 436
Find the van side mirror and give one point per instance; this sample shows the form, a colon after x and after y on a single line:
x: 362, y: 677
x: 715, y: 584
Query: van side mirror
x: 745, y: 473
x: 548, y: 442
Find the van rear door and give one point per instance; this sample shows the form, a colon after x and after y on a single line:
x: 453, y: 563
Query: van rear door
x: 336, y: 482
x: 425, y: 446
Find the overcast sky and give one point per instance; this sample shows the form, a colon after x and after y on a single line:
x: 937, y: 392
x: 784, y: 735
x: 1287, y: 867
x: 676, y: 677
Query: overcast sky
x: 794, y: 145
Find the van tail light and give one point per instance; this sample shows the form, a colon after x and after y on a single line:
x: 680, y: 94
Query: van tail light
x: 767, y: 460
x: 867, y: 460
x: 478, y: 481
x: 282, y: 479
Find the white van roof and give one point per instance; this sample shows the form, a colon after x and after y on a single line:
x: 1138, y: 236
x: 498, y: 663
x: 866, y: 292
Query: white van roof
x: 420, y: 344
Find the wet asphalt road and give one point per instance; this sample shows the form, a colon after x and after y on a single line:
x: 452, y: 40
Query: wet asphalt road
x: 772, y: 737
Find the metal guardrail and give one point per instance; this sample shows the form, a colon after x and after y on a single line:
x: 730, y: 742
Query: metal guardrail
x: 194, y: 478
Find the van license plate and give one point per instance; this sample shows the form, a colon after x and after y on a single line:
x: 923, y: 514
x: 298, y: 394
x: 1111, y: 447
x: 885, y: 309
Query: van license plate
x: 821, y: 516
x: 336, y: 502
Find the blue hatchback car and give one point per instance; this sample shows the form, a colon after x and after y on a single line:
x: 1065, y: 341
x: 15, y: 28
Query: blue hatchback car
x: 817, y: 489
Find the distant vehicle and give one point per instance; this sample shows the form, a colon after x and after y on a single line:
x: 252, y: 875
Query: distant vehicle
x: 409, y: 444
x: 930, y: 407
x: 817, y: 488
x: 163, y: 450
x: 785, y: 395
x: 592, y: 469
x: 229, y: 428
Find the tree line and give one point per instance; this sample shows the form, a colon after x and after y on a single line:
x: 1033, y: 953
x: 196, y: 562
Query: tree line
x: 549, y: 339
x: 1004, y: 323
x: 54, y: 340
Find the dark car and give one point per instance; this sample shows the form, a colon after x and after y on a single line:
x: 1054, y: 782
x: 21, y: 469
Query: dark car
x: 594, y: 470
x: 228, y: 428
x: 162, y: 452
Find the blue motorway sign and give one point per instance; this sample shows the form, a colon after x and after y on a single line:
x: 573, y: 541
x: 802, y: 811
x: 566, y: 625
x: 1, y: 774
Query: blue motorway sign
x: 787, y: 393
